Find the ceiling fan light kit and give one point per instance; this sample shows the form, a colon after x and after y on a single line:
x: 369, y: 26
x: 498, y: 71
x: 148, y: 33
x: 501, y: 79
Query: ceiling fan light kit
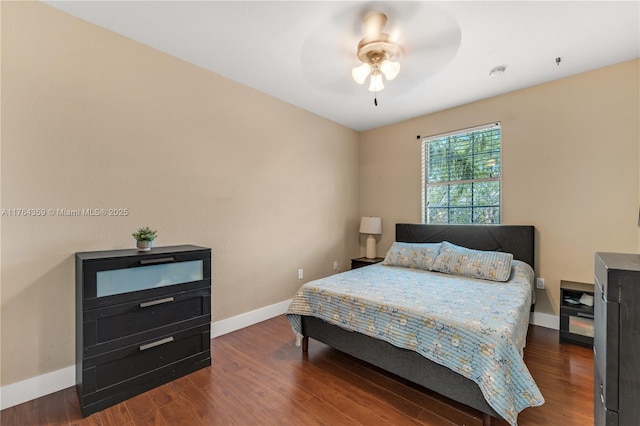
x: 375, y: 51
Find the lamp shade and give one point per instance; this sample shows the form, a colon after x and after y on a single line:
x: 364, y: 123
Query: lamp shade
x: 361, y: 73
x: 376, y: 84
x: 390, y: 69
x: 371, y: 225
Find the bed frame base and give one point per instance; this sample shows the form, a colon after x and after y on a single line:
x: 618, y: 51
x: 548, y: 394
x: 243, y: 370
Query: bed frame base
x: 402, y: 362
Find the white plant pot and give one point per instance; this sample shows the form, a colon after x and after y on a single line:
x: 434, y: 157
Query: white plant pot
x: 144, y: 245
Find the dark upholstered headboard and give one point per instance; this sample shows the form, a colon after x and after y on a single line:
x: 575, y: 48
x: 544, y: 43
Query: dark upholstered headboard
x: 515, y: 239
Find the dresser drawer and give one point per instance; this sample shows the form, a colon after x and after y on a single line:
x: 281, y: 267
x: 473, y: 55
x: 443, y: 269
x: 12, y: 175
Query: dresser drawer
x: 106, y: 329
x: 131, y: 366
x: 113, y: 281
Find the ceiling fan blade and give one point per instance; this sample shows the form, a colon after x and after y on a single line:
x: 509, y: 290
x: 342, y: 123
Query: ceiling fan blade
x: 448, y: 39
x: 327, y: 63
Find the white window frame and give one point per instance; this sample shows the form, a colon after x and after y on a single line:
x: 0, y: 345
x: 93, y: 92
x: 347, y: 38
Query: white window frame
x: 425, y: 162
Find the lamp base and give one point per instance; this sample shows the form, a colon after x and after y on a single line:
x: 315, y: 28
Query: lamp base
x: 371, y: 248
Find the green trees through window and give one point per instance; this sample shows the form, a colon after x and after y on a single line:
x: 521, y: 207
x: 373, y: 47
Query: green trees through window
x: 461, y: 176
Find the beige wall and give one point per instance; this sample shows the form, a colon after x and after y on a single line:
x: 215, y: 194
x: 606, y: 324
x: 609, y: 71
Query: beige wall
x: 91, y: 119
x: 269, y: 187
x: 570, y: 167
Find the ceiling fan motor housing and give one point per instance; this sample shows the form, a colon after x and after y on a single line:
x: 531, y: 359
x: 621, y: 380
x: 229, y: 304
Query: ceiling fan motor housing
x: 376, y: 46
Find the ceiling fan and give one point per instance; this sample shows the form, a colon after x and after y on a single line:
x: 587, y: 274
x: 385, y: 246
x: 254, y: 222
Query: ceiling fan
x: 421, y: 36
x: 375, y: 51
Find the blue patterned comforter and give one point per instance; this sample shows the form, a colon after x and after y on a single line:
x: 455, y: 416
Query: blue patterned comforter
x: 476, y: 328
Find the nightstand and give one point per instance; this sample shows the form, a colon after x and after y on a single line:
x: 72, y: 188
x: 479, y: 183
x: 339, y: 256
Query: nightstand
x: 576, y: 317
x: 359, y: 262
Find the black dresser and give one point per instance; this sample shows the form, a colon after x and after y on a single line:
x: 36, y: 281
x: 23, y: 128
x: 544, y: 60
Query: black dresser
x: 142, y: 319
x: 617, y: 339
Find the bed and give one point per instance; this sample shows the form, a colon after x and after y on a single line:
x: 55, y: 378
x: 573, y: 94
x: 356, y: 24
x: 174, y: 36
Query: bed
x: 430, y: 350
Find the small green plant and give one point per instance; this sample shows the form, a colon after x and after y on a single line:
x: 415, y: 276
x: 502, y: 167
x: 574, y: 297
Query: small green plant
x: 145, y: 234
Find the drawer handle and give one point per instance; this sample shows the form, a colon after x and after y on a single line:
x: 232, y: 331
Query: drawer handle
x: 583, y: 315
x: 602, y: 398
x: 158, y: 260
x: 157, y: 302
x: 158, y: 343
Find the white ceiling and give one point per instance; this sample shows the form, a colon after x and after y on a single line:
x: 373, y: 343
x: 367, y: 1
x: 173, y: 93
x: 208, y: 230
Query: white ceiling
x: 302, y: 52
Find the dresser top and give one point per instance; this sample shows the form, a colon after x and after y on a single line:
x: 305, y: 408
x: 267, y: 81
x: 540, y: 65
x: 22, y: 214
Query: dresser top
x: 621, y: 261
x: 91, y: 255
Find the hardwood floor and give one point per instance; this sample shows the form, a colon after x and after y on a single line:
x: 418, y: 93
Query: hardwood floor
x: 259, y: 377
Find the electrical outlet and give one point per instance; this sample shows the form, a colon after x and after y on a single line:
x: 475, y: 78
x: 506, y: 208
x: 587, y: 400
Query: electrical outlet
x: 540, y: 283
x: 335, y: 265
x: 300, y: 274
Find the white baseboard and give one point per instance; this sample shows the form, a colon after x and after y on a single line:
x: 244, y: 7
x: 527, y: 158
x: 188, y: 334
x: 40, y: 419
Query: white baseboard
x: 238, y: 322
x: 545, y: 320
x: 35, y: 387
x: 45, y: 384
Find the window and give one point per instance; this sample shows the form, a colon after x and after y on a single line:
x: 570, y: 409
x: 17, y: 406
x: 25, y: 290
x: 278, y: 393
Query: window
x: 461, y: 176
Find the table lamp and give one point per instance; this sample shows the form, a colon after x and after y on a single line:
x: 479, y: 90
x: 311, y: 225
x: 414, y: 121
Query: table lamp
x: 371, y: 226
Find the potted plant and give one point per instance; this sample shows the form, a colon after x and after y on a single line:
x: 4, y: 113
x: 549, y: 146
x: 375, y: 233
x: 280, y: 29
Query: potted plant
x: 144, y: 237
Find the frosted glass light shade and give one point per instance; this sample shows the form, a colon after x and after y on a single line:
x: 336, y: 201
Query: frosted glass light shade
x: 390, y: 69
x: 376, y: 83
x: 361, y: 73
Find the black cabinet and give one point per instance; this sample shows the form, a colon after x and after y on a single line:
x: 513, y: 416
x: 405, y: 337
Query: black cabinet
x: 576, y: 313
x: 142, y: 319
x: 617, y: 340
x: 359, y: 262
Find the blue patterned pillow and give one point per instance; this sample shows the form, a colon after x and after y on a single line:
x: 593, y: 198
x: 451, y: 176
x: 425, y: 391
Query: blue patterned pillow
x: 486, y: 265
x: 412, y: 255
